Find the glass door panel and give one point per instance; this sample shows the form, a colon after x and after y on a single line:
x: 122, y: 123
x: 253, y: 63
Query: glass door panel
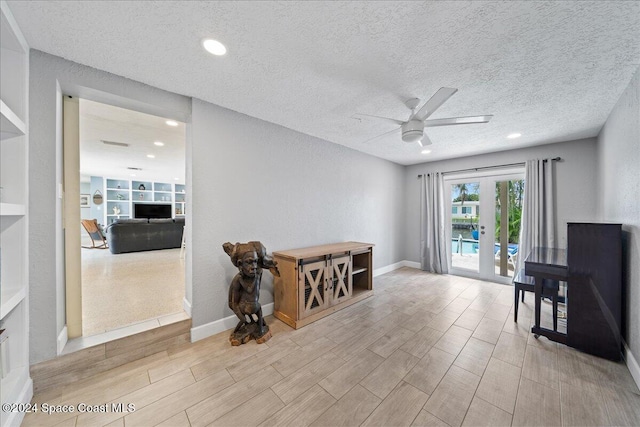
x: 508, y: 211
x: 465, y: 210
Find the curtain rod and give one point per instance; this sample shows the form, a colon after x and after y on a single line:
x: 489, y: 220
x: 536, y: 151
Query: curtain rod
x: 555, y: 159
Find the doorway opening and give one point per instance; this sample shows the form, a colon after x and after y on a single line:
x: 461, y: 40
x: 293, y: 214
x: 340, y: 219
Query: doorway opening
x: 132, y: 183
x: 483, y: 223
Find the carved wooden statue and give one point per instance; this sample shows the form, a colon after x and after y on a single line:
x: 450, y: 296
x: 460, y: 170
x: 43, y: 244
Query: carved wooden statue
x: 244, y: 291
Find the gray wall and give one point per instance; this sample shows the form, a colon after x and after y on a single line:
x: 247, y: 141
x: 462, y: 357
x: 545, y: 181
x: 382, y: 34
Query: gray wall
x: 575, y: 184
x: 254, y: 180
x: 249, y: 180
x: 50, y: 76
x: 619, y: 180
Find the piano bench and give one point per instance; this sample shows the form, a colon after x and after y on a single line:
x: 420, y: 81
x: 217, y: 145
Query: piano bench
x: 522, y: 283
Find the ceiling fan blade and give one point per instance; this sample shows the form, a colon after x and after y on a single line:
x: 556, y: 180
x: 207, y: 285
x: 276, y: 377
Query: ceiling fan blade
x: 425, y: 141
x: 370, y: 117
x: 380, y: 136
x: 434, y: 103
x: 458, y: 121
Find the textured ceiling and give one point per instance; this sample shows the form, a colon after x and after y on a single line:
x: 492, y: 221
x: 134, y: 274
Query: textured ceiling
x: 100, y: 122
x: 549, y: 70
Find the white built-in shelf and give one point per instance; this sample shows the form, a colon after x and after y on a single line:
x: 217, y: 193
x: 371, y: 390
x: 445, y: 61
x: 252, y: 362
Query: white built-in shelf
x: 11, y: 297
x: 11, y: 125
x: 358, y: 270
x: 12, y: 209
x: 16, y: 386
x: 12, y: 383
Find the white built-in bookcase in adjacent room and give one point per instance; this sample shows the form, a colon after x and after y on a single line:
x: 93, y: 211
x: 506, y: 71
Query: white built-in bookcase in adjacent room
x: 122, y: 194
x: 16, y: 386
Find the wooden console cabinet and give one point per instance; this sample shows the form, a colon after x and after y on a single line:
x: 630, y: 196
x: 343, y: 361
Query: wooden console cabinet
x: 317, y: 281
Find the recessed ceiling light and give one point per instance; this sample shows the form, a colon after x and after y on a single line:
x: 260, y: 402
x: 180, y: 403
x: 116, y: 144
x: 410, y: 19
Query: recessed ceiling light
x: 171, y: 123
x: 151, y: 156
x: 177, y: 179
x: 158, y: 143
x: 514, y: 135
x: 426, y: 151
x: 214, y: 47
x: 133, y: 174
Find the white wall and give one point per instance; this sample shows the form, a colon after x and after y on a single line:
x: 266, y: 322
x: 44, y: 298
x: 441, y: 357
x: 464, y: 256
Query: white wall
x: 619, y: 180
x: 51, y: 76
x: 85, y: 213
x: 254, y: 180
x: 576, y: 197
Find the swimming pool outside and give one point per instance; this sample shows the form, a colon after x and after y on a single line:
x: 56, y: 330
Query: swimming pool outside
x: 468, y: 246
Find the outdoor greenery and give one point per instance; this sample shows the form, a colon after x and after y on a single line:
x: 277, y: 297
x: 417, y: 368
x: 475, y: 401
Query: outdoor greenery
x: 467, y: 192
x: 515, y: 193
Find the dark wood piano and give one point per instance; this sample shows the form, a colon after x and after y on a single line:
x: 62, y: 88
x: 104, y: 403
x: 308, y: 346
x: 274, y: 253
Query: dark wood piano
x: 592, y: 268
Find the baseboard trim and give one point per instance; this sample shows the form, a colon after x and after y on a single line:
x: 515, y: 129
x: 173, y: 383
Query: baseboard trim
x: 186, y: 306
x: 412, y: 264
x: 221, y: 325
x: 25, y: 396
x: 212, y: 328
x: 632, y: 363
x: 62, y: 340
x: 391, y: 267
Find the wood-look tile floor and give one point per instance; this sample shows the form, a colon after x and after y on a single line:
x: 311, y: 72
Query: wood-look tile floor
x: 425, y: 350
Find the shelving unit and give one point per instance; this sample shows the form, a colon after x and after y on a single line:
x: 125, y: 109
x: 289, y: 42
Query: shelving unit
x: 16, y: 386
x: 118, y: 196
x: 12, y: 125
x: 317, y: 281
x: 162, y: 192
x: 123, y: 194
x: 180, y: 200
x: 12, y: 209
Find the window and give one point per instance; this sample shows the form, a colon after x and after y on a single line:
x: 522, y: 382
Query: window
x: 454, y: 210
x: 466, y: 209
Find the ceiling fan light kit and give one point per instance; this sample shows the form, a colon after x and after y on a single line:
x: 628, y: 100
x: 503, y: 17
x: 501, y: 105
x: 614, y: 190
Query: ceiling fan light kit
x: 413, y: 128
x: 412, y: 131
x: 425, y: 141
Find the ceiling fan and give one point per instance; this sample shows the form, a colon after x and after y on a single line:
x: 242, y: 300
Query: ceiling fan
x: 413, y: 128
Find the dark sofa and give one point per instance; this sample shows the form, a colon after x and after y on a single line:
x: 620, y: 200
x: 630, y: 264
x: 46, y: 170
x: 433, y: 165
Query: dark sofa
x: 135, y: 235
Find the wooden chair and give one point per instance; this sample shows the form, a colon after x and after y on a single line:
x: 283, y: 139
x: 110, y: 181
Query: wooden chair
x: 91, y: 225
x: 522, y: 283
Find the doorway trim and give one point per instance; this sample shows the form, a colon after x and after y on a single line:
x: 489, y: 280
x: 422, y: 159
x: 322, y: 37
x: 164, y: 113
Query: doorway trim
x: 65, y: 90
x: 71, y: 216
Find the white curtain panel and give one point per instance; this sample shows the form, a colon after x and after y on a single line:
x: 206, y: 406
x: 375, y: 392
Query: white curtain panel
x: 433, y: 254
x: 538, y: 210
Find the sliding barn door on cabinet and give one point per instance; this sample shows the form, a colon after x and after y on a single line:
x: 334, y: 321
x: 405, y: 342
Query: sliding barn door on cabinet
x: 340, y: 280
x: 313, y: 288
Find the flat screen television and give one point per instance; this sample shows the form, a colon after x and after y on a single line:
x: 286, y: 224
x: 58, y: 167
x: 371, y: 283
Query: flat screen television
x: 151, y: 210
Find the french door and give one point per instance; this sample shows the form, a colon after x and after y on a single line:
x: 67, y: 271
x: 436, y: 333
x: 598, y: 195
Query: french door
x: 483, y: 223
